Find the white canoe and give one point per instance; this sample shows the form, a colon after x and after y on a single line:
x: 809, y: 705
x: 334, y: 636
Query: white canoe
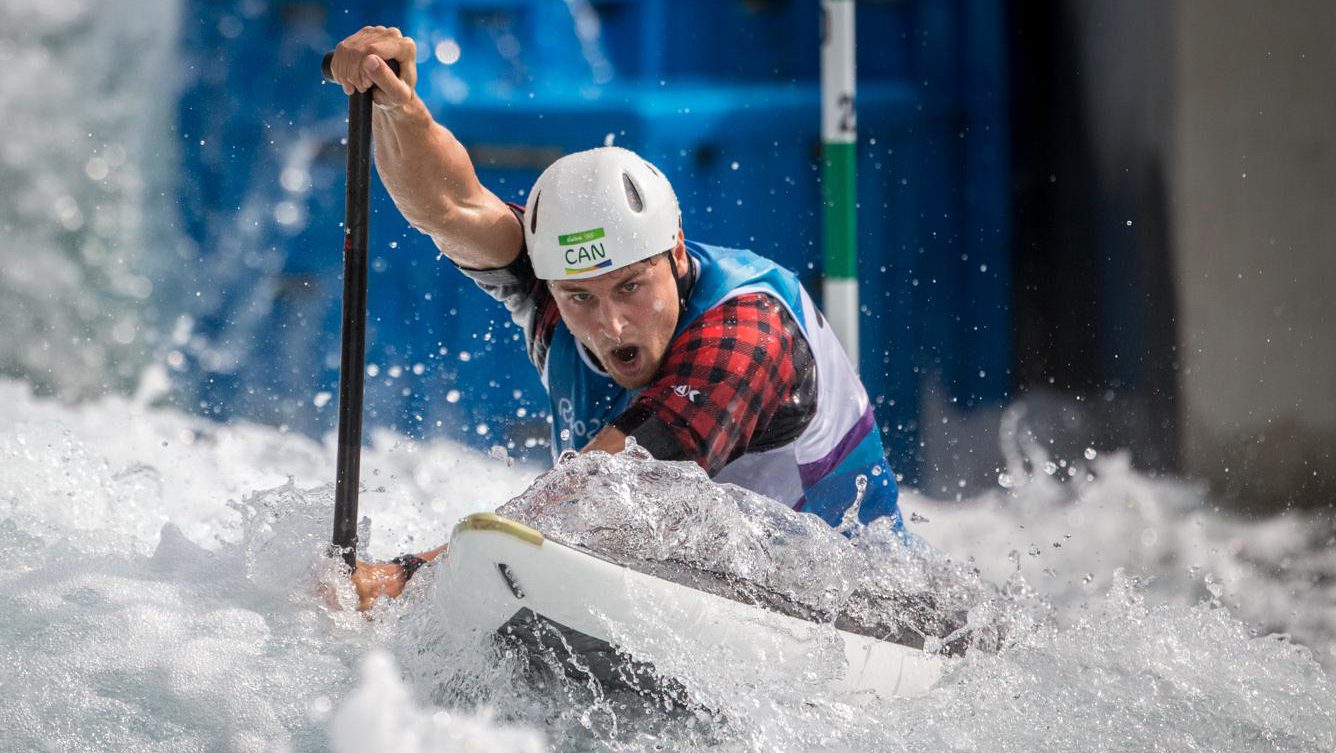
x: 500, y: 576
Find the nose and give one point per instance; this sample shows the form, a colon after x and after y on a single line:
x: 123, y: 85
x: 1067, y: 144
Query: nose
x: 613, y: 321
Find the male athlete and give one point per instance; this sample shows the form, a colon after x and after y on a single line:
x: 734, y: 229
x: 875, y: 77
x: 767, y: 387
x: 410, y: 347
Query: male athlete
x: 699, y: 352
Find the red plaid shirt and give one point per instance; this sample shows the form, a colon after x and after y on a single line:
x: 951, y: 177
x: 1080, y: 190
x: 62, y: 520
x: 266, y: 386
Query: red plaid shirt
x: 738, y: 378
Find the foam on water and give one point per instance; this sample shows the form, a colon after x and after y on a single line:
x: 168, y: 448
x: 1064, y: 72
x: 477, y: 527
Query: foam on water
x: 156, y: 601
x: 1068, y: 533
x: 381, y: 715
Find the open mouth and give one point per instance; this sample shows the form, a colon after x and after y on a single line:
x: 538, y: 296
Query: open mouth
x: 625, y: 359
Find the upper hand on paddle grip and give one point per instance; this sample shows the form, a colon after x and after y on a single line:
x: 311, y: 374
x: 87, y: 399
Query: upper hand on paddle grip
x: 359, y: 64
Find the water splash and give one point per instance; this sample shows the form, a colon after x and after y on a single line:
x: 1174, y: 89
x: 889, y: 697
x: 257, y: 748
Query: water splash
x: 670, y: 520
x: 211, y: 630
x: 380, y: 715
x: 81, y: 172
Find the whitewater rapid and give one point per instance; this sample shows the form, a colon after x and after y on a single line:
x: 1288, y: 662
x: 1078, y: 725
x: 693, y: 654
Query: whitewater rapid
x: 161, y: 576
x: 163, y: 584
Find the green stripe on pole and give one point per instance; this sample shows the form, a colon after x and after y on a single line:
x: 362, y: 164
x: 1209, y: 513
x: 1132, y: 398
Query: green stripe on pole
x: 839, y: 139
x: 839, y: 221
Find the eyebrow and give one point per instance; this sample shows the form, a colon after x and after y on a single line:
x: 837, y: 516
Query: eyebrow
x: 629, y: 273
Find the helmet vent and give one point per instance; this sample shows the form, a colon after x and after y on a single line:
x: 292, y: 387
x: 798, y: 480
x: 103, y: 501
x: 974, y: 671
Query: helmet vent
x: 533, y: 215
x: 653, y: 169
x: 632, y: 194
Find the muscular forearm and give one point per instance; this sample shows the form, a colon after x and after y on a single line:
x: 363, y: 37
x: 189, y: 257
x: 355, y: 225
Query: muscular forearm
x: 433, y: 183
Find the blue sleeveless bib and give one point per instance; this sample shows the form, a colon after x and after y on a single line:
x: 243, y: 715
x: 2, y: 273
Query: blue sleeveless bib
x: 820, y: 471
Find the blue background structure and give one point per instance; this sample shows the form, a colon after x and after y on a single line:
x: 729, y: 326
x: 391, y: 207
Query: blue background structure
x: 723, y: 95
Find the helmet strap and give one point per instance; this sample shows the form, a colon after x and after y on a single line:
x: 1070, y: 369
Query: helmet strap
x: 684, y: 282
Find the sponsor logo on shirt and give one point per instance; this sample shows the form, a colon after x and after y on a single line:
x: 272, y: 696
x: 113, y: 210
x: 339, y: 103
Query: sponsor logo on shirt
x: 683, y: 390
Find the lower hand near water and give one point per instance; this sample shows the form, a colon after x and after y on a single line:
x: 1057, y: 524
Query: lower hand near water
x: 376, y: 579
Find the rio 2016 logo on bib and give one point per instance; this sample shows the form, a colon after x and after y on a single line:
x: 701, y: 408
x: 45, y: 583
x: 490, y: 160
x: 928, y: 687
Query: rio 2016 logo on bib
x: 575, y: 433
x: 583, y: 250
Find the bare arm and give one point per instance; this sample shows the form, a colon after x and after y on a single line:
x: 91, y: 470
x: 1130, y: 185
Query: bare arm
x: 424, y: 167
x: 375, y: 579
x: 610, y: 440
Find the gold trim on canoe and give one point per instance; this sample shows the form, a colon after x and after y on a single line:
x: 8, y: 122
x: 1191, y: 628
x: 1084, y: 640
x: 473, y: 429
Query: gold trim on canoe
x: 490, y: 521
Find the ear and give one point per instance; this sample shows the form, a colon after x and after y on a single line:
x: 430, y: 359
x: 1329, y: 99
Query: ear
x: 680, y: 250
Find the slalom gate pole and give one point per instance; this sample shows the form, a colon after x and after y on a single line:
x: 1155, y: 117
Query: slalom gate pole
x: 839, y: 144
x: 352, y: 363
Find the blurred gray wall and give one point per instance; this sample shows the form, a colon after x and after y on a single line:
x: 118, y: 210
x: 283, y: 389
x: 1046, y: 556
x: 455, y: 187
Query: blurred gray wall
x: 1253, y: 197
x: 1176, y: 248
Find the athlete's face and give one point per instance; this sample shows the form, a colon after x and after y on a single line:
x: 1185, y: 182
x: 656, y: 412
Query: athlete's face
x: 625, y: 317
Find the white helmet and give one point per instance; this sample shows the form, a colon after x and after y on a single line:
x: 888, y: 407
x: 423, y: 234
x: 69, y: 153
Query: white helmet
x: 598, y: 210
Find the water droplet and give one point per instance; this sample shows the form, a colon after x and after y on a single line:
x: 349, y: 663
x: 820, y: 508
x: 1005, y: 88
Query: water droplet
x: 447, y: 51
x: 97, y: 169
x: 320, y: 707
x: 850, y: 518
x: 498, y: 452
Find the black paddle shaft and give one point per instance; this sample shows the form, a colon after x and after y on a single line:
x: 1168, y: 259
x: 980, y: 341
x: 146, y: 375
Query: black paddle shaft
x: 352, y: 363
